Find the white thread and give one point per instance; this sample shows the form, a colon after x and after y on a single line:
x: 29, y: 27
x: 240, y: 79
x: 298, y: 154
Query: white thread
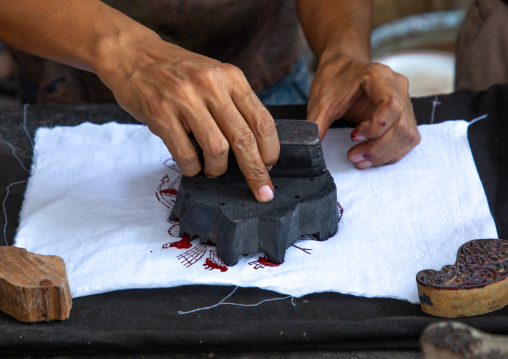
x: 25, y: 107
x: 478, y: 119
x: 14, y: 155
x: 5, y: 211
x: 434, y: 104
x: 237, y: 304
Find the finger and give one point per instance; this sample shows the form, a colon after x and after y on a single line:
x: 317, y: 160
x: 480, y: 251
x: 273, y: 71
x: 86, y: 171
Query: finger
x: 243, y: 143
x: 329, y: 97
x: 384, y: 116
x: 365, y: 161
x: 383, y: 150
x: 388, y: 91
x: 328, y: 107
x: 179, y: 145
x: 361, y: 110
x: 259, y: 120
x: 210, y: 138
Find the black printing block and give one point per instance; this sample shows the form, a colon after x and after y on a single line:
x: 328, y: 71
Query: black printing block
x: 224, y: 211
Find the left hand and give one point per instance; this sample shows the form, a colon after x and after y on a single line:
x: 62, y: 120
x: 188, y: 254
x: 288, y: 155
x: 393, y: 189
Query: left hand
x: 372, y: 96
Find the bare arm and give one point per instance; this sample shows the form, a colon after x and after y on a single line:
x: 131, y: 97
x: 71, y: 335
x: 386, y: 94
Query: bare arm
x: 82, y: 34
x: 172, y: 90
x: 348, y: 85
x: 335, y: 26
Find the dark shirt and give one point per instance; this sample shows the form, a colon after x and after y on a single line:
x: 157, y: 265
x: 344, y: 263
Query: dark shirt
x: 261, y: 37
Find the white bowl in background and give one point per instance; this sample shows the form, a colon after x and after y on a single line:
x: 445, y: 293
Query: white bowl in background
x: 429, y: 71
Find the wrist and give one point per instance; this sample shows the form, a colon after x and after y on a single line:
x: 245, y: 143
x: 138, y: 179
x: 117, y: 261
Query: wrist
x: 116, y: 50
x: 345, y: 46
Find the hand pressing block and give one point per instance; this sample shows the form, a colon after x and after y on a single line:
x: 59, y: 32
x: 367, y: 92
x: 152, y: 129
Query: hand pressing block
x: 33, y: 287
x: 476, y: 284
x: 224, y: 211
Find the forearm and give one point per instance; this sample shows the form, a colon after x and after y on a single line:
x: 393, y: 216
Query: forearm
x: 88, y: 35
x: 337, y: 27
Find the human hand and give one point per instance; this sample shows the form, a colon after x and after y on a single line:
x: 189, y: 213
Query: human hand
x: 175, y: 92
x: 372, y: 96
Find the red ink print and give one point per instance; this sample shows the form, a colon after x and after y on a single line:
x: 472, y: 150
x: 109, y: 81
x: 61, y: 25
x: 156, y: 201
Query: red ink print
x: 341, y: 210
x: 174, y: 230
x: 267, y: 263
x: 168, y: 188
x: 170, y: 163
x: 169, y: 191
x: 262, y: 263
x: 183, y: 243
x: 305, y: 250
x: 166, y: 194
x: 214, y: 262
x: 193, y: 255
x: 256, y: 264
x: 211, y: 265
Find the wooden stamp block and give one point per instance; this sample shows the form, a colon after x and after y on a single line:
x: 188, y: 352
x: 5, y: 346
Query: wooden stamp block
x: 455, y: 340
x: 476, y: 284
x: 301, y: 153
x: 33, y: 287
x: 224, y: 211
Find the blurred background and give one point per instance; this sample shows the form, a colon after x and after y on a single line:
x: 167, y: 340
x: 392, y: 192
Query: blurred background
x: 415, y: 38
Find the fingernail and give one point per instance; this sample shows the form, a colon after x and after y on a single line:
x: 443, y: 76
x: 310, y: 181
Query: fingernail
x: 363, y: 165
x: 268, y: 168
x: 356, y: 158
x: 265, y: 193
x: 358, y: 138
x: 210, y: 176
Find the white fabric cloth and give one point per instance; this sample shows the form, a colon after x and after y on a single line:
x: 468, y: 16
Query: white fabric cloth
x: 99, y: 197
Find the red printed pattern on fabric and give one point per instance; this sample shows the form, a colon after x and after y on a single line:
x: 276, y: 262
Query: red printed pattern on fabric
x: 166, y: 195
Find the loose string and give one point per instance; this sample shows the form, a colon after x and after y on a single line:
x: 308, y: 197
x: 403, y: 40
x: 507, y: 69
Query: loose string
x: 478, y: 119
x: 434, y: 105
x: 25, y: 108
x: 13, y: 150
x: 5, y: 211
x: 223, y: 302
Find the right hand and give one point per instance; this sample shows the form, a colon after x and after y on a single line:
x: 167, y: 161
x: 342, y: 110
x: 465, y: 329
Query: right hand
x: 175, y: 92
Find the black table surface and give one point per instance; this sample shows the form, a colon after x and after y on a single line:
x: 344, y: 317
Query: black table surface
x: 147, y: 320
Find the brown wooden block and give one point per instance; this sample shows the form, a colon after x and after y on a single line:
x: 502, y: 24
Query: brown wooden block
x: 455, y: 340
x: 33, y: 287
x: 476, y: 284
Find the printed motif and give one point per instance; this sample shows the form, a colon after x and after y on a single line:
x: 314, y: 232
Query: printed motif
x: 166, y: 195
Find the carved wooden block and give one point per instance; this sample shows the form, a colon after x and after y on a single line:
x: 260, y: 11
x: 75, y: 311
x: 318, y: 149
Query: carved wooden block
x: 33, y: 287
x: 450, y: 339
x: 224, y: 211
x: 301, y: 153
x: 476, y: 284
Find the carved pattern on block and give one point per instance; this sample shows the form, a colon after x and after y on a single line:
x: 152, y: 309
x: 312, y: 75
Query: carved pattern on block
x: 476, y: 284
x: 479, y: 263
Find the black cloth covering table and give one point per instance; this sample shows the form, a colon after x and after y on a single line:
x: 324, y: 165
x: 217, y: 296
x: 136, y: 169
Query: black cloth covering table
x: 147, y: 321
